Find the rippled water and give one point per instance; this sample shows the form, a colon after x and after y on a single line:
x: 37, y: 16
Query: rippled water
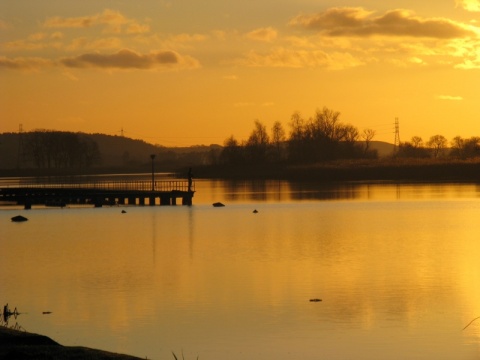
x: 397, y: 268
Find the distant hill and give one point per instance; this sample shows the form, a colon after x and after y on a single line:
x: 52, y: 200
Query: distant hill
x: 384, y: 149
x: 117, y: 152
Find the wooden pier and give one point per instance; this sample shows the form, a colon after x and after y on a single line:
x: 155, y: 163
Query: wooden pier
x: 137, y: 192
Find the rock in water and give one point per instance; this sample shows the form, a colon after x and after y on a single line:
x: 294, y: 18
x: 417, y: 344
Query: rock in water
x: 218, y: 204
x: 19, y: 218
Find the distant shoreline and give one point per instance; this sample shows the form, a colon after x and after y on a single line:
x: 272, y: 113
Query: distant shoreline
x: 367, y: 170
x: 430, y: 170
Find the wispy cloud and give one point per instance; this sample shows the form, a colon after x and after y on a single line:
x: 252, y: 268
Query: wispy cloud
x: 24, y: 64
x: 298, y: 58
x: 122, y: 60
x: 349, y: 21
x: 449, y: 97
x: 128, y: 59
x: 114, y: 21
x: 84, y: 43
x: 266, y: 34
x: 469, y: 5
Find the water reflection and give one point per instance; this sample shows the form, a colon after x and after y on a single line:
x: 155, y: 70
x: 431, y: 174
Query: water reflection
x: 279, y: 191
x: 395, y: 277
x: 6, y: 317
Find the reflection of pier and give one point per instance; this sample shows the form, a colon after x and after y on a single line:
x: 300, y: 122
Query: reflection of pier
x: 136, y: 192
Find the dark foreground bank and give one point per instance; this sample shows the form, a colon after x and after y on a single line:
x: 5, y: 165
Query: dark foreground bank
x: 16, y: 344
x: 360, y: 170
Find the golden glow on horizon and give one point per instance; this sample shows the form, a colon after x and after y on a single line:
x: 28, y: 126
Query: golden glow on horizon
x: 179, y: 78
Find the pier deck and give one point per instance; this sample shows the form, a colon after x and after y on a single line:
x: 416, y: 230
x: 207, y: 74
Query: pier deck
x: 138, y: 192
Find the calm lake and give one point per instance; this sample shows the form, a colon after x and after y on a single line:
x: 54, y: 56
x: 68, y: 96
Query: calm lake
x: 397, y: 268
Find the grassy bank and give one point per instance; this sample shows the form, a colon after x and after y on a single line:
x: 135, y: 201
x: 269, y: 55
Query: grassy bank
x: 358, y: 170
x: 16, y: 344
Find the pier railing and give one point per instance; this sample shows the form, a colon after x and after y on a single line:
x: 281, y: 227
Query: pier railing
x: 127, y: 185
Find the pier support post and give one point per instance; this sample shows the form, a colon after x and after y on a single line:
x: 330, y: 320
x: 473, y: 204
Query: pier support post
x: 28, y: 204
x: 165, y: 200
x: 98, y: 202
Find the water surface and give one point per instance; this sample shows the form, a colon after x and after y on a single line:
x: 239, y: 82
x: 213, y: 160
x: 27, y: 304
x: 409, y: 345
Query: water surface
x: 396, y: 266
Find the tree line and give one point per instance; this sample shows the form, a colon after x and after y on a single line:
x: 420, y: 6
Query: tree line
x: 439, y: 147
x: 319, y: 138
x: 323, y: 137
x: 58, y: 149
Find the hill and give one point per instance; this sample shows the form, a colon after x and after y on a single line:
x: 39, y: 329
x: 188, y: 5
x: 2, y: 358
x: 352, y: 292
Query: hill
x: 115, y: 152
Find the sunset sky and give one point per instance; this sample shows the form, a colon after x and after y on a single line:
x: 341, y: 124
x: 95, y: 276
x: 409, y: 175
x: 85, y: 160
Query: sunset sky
x: 185, y: 72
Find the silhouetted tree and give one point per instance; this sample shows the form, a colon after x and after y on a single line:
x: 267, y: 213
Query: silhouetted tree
x: 58, y: 149
x: 413, y: 149
x: 257, y: 143
x: 232, y: 152
x: 367, y: 136
x: 297, y: 147
x: 465, y: 148
x: 437, y: 144
x: 417, y: 142
x: 278, y: 141
x: 349, y: 144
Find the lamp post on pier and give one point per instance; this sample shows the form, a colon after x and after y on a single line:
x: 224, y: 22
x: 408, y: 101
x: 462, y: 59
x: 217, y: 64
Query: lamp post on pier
x: 153, y: 172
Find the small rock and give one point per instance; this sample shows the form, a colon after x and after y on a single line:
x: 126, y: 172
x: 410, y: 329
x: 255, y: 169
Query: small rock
x: 124, y: 212
x: 218, y: 204
x: 19, y: 218
x: 255, y: 211
x: 315, y: 300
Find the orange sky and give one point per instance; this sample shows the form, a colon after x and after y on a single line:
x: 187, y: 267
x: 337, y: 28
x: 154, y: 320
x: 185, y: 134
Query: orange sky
x: 185, y: 72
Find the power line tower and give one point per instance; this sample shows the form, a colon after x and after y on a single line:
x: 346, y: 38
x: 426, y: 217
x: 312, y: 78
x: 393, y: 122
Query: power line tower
x: 396, y: 142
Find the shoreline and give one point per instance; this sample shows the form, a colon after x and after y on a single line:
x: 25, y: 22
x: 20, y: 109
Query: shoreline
x: 346, y: 171
x: 16, y: 344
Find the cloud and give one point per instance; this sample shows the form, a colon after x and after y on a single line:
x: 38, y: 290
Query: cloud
x: 113, y: 20
x: 37, y: 41
x: 469, y: 5
x: 449, y: 97
x: 357, y: 22
x: 185, y: 38
x: 128, y: 59
x: 267, y: 34
x: 291, y: 58
x: 25, y: 64
x: 469, y: 64
x: 85, y: 43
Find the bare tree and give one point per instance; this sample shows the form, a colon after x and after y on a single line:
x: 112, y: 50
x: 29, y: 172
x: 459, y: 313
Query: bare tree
x: 232, y: 152
x: 437, y: 144
x: 258, y: 142
x: 278, y: 139
x: 465, y: 148
x: 367, y: 136
x: 417, y: 142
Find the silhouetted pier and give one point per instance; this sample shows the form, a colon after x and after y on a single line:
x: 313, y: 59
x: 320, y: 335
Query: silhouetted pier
x: 99, y: 193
